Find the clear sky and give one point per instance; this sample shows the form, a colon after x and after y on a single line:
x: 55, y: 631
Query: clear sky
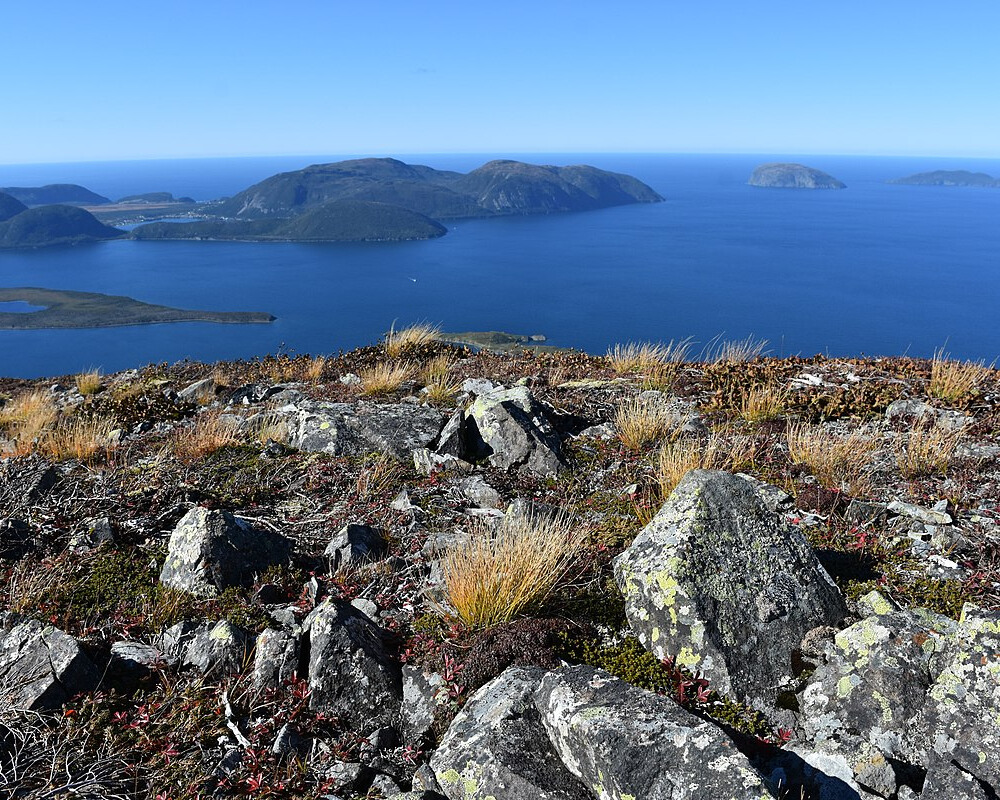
x: 113, y: 80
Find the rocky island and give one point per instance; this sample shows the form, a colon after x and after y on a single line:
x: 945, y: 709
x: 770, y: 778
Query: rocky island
x: 792, y: 176
x: 65, y: 309
x: 941, y: 177
x: 415, y: 572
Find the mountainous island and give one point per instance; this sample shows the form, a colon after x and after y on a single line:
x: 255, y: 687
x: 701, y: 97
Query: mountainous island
x: 64, y: 309
x: 42, y: 226
x: 69, y: 194
x: 382, y: 199
x: 943, y: 177
x: 792, y: 176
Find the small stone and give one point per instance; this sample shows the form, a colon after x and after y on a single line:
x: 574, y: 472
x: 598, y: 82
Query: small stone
x: 930, y: 517
x: 354, y: 545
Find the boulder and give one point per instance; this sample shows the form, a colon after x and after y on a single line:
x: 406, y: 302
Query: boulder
x: 210, y: 551
x: 423, y: 693
x: 510, y: 429
x: 625, y: 742
x: 217, y: 648
x: 363, y: 427
x: 350, y: 672
x: 958, y: 729
x: 42, y: 667
x: 496, y: 747
x: 874, y: 678
x: 202, y: 391
x: 720, y: 583
x: 353, y: 545
x: 276, y: 658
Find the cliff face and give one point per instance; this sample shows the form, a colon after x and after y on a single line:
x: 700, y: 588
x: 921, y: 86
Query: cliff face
x: 793, y: 176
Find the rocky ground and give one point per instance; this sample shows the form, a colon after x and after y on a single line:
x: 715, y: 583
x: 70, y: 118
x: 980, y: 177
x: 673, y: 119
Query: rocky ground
x: 414, y: 571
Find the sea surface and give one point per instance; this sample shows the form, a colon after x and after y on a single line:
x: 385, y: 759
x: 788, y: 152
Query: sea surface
x: 875, y: 269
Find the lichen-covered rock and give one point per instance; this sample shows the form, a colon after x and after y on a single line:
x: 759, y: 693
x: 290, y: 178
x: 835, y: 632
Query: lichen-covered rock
x: 210, y: 551
x: 958, y: 729
x: 42, y: 667
x: 720, y: 583
x: 353, y: 545
x: 218, y: 648
x: 423, y: 693
x: 509, y: 428
x: 358, y: 428
x: 873, y: 682
x: 623, y: 742
x: 276, y: 658
x: 350, y: 672
x: 497, y: 749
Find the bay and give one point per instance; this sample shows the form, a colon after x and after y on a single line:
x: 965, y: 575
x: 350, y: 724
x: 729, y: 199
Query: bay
x: 875, y: 269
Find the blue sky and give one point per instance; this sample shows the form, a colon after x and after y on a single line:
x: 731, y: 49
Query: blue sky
x: 115, y: 80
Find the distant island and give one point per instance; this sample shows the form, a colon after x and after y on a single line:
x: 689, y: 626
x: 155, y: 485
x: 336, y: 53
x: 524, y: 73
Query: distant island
x: 69, y: 194
x: 64, y: 309
x: 153, y: 198
x: 793, y: 176
x: 942, y: 177
x: 43, y: 226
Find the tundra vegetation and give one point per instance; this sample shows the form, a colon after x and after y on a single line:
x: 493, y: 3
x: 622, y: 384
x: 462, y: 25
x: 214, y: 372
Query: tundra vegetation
x: 439, y: 562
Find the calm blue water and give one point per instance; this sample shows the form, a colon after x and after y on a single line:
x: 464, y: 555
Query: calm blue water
x: 874, y: 269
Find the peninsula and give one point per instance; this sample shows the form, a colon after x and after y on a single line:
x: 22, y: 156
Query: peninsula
x: 42, y: 226
x: 793, y: 176
x: 64, y: 309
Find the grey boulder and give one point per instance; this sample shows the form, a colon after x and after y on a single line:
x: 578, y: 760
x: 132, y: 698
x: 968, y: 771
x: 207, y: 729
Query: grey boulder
x: 210, y: 551
x: 510, y: 429
x: 625, y: 742
x: 358, y: 428
x: 497, y: 747
x: 350, y: 672
x: 42, y: 667
x: 353, y: 545
x: 217, y: 648
x: 721, y: 584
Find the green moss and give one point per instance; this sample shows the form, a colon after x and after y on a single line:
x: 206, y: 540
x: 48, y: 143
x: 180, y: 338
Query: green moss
x: 239, y: 610
x: 941, y: 596
x: 117, y: 581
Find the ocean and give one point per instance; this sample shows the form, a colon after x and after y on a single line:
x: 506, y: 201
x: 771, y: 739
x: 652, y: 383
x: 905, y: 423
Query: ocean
x: 875, y: 269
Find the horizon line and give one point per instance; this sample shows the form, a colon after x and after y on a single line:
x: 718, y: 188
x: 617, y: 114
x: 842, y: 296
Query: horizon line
x: 508, y: 152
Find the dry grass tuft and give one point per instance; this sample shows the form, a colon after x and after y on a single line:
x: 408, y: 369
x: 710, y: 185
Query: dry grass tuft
x: 839, y: 462
x: 82, y: 439
x: 26, y: 417
x: 379, y: 475
x: 313, y: 369
x: 928, y: 448
x: 763, y: 402
x: 209, y: 432
x: 501, y: 571
x: 398, y: 342
x: 956, y: 381
x: 646, y: 358
x: 268, y: 426
x: 385, y: 378
x: 725, y: 351
x: 437, y: 368
x: 88, y: 382
x: 640, y: 421
x: 441, y: 391
x: 677, y: 458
